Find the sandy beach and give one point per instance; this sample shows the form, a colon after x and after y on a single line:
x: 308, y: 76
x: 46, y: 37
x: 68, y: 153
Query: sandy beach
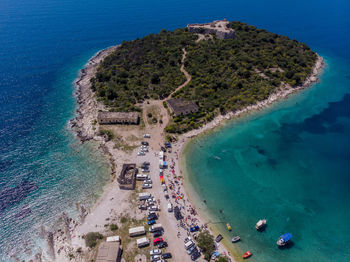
x: 114, y: 202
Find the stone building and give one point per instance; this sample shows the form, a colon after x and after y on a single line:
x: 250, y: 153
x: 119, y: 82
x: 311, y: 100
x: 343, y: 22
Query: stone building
x: 219, y: 28
x: 109, y: 252
x: 118, y: 118
x: 127, y: 178
x: 182, y: 107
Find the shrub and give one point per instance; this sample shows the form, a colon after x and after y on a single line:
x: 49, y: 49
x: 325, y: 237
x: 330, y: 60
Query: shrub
x: 91, y: 239
x: 149, y: 115
x: 108, y: 133
x: 113, y: 227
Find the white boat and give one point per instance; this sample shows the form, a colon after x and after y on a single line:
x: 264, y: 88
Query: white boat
x: 236, y: 239
x: 261, y: 224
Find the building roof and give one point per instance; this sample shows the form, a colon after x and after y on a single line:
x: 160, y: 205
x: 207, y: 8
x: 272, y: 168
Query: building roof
x: 108, y: 252
x: 181, y: 106
x: 128, y: 116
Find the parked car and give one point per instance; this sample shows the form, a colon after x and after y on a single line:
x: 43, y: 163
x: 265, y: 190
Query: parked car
x: 146, y: 186
x: 151, y: 222
x: 187, y: 239
x: 153, y: 208
x: 148, y: 181
x: 163, y: 149
x: 195, y: 256
x: 143, y: 207
x: 140, y: 153
x: 146, y: 163
x: 167, y: 144
x: 166, y: 255
x: 163, y: 244
x: 191, y: 250
x: 194, y: 229
x: 147, y: 136
x: 157, y: 234
x: 144, y: 143
x: 157, y: 240
x: 145, y: 170
x: 155, y: 252
x: 152, y: 217
x: 155, y: 258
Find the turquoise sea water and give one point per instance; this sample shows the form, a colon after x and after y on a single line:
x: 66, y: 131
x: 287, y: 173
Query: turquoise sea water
x: 288, y: 164
x: 44, y: 170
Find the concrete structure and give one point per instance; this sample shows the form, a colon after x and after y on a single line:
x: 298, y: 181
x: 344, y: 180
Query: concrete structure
x: 182, y: 107
x: 125, y: 118
x: 219, y: 28
x: 127, y: 178
x: 109, y: 252
x: 113, y: 239
x: 137, y: 231
x: 142, y: 242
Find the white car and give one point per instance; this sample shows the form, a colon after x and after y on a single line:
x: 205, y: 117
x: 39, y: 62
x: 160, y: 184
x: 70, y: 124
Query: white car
x: 140, y: 153
x: 147, y: 136
x: 155, y: 252
x: 153, y: 208
x: 145, y: 170
x: 148, y: 181
x: 145, y: 186
x: 155, y: 258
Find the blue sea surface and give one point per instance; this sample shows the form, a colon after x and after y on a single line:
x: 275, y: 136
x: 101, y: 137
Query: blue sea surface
x: 288, y: 164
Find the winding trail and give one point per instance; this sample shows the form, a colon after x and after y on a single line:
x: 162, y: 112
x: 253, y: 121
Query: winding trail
x: 182, y: 69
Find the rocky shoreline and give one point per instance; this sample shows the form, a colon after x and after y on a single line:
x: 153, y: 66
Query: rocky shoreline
x: 283, y: 93
x: 88, y: 107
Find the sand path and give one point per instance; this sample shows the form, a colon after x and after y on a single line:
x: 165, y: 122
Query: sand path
x: 183, y: 70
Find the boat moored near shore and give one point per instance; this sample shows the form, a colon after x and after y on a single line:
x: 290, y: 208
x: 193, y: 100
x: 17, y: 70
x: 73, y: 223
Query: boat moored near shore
x: 236, y: 239
x: 284, y: 239
x: 261, y: 224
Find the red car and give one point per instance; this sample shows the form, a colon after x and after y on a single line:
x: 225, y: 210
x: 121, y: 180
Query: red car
x: 157, y: 240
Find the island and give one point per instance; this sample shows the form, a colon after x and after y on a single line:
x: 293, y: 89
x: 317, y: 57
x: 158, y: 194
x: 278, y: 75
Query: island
x: 142, y: 101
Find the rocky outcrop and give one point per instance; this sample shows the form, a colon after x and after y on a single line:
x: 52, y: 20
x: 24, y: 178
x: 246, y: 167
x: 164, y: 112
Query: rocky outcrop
x: 219, y: 28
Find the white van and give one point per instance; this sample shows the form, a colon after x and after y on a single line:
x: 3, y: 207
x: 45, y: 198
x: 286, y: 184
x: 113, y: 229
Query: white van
x: 142, y: 242
x: 144, y: 196
x: 156, y: 227
x: 170, y: 207
x: 189, y: 244
x: 141, y: 176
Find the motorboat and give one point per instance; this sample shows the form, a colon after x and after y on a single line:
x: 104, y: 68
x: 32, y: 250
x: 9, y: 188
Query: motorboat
x: 284, y: 239
x: 260, y: 224
x: 236, y: 239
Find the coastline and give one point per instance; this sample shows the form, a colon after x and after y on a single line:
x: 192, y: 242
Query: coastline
x: 84, y: 128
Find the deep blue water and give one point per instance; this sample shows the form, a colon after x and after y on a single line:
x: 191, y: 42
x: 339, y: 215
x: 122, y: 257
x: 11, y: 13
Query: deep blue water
x: 45, y: 171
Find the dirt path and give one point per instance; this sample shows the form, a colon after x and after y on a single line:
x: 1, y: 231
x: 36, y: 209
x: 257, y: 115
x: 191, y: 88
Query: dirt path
x: 182, y: 69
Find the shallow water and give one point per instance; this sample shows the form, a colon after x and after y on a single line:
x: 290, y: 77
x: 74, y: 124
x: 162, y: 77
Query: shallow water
x: 288, y: 164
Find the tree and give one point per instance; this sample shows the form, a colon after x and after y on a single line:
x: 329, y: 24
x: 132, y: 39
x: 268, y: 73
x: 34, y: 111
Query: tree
x: 205, y: 242
x: 91, y: 239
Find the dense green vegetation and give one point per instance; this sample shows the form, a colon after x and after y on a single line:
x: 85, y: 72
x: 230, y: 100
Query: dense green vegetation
x: 142, y: 69
x: 205, y: 242
x: 227, y: 75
